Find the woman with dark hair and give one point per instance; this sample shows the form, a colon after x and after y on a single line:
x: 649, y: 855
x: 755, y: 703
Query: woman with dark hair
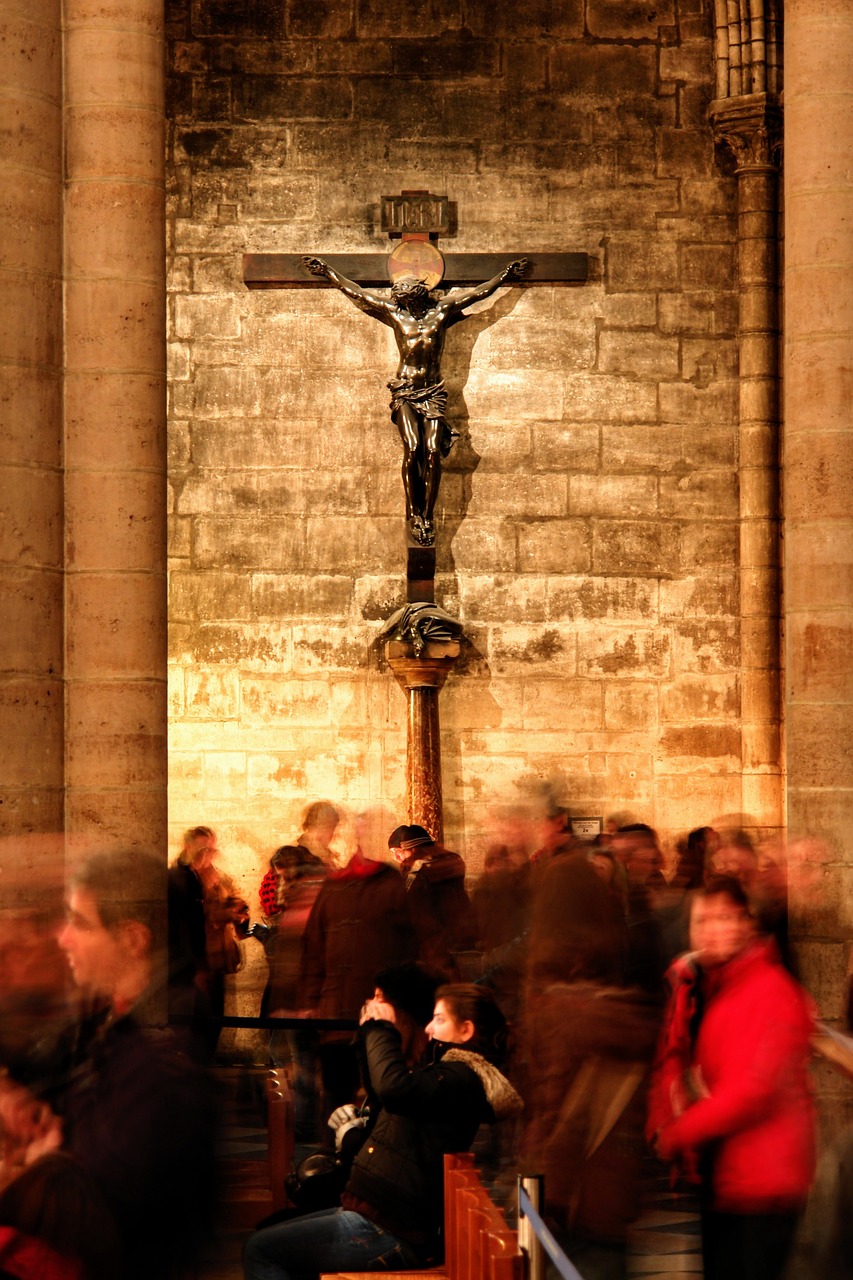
x: 391, y: 1210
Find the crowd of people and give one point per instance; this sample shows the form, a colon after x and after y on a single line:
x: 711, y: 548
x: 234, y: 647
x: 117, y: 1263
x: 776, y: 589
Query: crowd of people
x: 596, y: 1011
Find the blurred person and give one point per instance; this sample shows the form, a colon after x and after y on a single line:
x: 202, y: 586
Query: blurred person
x: 359, y: 924
x: 439, y: 907
x: 639, y: 869
x: 391, y: 1211
x: 206, y: 920
x: 555, y: 834
x: 694, y: 860
x: 735, y: 856
x: 319, y: 823
x: 299, y: 875
x: 130, y: 1110
x: 735, y: 1094
x: 586, y: 1046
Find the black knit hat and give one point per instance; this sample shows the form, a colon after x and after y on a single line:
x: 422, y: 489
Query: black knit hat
x: 411, y: 988
x: 409, y: 838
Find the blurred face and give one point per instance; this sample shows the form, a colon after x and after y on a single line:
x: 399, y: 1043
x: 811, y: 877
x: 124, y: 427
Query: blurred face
x: 202, y: 850
x: 719, y: 929
x: 446, y: 1027
x: 96, y: 954
x: 730, y: 860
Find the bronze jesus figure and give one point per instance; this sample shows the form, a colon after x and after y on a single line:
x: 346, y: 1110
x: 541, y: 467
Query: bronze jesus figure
x: 420, y: 320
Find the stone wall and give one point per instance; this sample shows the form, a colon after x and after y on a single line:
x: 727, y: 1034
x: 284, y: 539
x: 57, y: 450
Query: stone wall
x: 588, y: 531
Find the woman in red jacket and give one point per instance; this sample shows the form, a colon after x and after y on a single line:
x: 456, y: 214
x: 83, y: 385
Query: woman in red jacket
x: 743, y: 1102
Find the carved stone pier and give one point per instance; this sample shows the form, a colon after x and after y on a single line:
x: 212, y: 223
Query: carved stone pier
x: 421, y: 679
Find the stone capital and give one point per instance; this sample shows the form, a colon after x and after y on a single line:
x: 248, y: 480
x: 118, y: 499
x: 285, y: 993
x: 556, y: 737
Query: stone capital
x: 429, y: 671
x: 751, y: 127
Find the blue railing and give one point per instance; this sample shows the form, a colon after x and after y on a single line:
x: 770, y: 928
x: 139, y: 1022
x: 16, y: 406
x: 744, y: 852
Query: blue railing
x: 543, y: 1234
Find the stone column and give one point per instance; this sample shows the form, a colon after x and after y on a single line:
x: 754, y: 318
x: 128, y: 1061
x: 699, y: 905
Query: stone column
x: 818, y: 466
x: 31, y: 585
x: 115, y: 414
x: 751, y: 127
x: 422, y: 679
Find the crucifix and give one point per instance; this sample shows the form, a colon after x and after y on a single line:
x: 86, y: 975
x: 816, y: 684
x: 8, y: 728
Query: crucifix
x: 423, y: 642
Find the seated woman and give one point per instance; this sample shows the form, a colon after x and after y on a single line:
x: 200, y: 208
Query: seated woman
x: 391, y: 1211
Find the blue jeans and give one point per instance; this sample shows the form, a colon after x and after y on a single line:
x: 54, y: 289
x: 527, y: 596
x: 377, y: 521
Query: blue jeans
x: 331, y: 1240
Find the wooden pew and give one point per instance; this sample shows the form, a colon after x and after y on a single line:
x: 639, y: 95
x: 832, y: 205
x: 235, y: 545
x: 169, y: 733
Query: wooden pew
x: 478, y: 1243
x: 252, y: 1189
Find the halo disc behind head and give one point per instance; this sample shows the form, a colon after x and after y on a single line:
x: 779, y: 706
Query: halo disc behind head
x: 417, y: 258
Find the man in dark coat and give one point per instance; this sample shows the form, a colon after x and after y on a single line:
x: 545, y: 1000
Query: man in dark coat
x: 440, y: 909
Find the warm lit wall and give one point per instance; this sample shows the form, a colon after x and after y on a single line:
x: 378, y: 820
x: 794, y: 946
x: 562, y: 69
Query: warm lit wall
x: 588, y: 537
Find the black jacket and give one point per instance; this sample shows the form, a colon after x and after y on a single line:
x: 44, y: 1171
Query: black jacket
x: 397, y: 1176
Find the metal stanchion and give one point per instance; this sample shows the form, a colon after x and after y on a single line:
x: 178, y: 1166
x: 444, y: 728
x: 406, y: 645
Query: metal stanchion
x: 528, y: 1241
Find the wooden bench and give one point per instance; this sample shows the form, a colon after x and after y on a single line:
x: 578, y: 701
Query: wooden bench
x: 252, y: 1189
x: 478, y: 1243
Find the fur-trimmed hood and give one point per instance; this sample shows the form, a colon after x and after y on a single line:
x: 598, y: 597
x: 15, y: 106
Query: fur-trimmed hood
x: 500, y: 1094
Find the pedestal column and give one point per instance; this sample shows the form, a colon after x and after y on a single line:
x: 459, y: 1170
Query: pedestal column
x: 818, y: 467
x: 422, y: 679
x: 751, y: 128
x: 31, y: 582
x: 115, y: 423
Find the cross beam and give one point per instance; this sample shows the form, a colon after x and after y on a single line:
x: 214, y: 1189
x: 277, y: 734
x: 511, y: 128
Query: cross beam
x: 288, y: 271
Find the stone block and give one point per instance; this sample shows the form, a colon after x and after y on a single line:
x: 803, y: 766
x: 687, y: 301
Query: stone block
x: 30, y: 224
x: 273, y: 700
x: 711, y: 645
x: 761, y: 748
x: 31, y: 721
x: 297, y: 595
x: 216, y: 594
x: 640, y: 355
x: 113, y: 521
x: 630, y: 705
x: 109, y: 327
x: 686, y: 62
x: 818, y: 384
x: 517, y: 495
x: 471, y: 705
x: 617, y: 496
x: 616, y: 20
x: 699, y: 698
x: 30, y: 320
x: 245, y: 543
x: 686, y: 312
x: 818, y: 745
x: 630, y: 310
x: 819, y: 475
x: 253, y: 19
x: 680, y: 808
x: 31, y: 604
x: 565, y: 446
x: 271, y: 774
x: 322, y: 647
x: 685, y: 153
x: 715, y: 405
x: 31, y: 528
x: 206, y: 315
x: 179, y: 537
x: 703, y: 362
x: 823, y: 970
x: 130, y: 410
x: 115, y: 625
x: 481, y: 546
x: 30, y: 134
x: 699, y: 748
x: 265, y: 98
x: 499, y: 446
x: 32, y: 416
x: 614, y: 599
x: 367, y: 57
x: 211, y: 694
x: 513, y: 647
x: 362, y: 544
x: 635, y: 547
x: 708, y: 493
x: 641, y: 261
x: 549, y: 704
x: 127, y: 817
x: 549, y: 19
x: 419, y: 103
x: 554, y: 546
x: 709, y: 266
x: 599, y: 397
x: 602, y: 70
x: 631, y: 652
x: 707, y: 594
x: 557, y: 344
x: 819, y: 568
x: 453, y: 58
x: 493, y: 597
x: 491, y: 394
x: 667, y: 448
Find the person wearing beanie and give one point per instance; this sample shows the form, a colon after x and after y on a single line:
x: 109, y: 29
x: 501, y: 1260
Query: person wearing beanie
x: 439, y: 906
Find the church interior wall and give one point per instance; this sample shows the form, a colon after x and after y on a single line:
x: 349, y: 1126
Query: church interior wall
x: 588, y: 516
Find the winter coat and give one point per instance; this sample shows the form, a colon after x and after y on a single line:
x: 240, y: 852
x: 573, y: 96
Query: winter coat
x: 587, y: 1050
x: 439, y: 907
x: 397, y: 1177
x: 757, y: 1124
x: 359, y: 925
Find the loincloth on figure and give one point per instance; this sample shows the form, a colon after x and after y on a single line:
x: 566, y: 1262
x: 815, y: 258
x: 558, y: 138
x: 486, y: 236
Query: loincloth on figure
x: 428, y: 402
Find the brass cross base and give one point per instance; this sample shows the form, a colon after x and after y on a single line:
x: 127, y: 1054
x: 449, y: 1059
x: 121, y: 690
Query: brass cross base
x: 422, y: 679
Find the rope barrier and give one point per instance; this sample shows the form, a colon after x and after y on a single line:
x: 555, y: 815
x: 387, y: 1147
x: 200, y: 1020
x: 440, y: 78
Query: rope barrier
x: 549, y: 1244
